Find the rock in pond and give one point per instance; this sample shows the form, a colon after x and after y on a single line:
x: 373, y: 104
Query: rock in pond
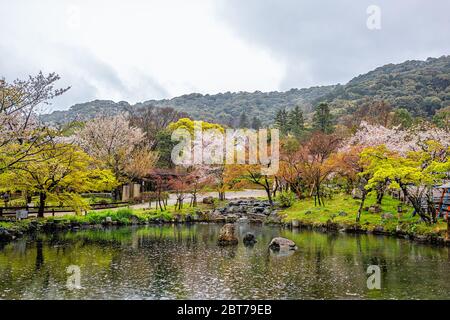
x: 227, y: 236
x: 280, y: 243
x: 249, y: 239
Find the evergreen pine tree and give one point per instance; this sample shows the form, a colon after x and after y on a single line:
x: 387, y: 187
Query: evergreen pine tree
x: 281, y: 121
x: 243, y: 121
x: 256, y: 123
x: 296, y: 122
x: 323, y: 120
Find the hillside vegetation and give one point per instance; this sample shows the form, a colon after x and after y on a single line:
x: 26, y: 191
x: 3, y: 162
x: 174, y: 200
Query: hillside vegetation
x: 421, y: 87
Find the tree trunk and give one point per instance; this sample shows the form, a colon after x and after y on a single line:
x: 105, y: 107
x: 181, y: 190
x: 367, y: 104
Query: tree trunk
x: 42, y: 198
x: 448, y: 229
x: 194, y: 200
x: 268, y: 189
x: 269, y: 195
x: 319, y: 198
x: 363, y: 199
x: 416, y: 202
x: 380, y: 195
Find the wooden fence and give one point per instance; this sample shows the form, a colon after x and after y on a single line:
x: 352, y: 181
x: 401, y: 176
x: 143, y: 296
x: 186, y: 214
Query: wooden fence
x: 60, y: 209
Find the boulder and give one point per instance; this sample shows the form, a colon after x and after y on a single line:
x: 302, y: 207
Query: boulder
x: 243, y: 220
x: 227, y: 236
x: 280, y: 243
x: 342, y: 214
x: 295, y: 223
x: 249, y: 239
x: 208, y: 200
x: 231, y: 218
x: 134, y: 220
x: 108, y: 220
x: 387, y: 216
x: 357, y: 193
x: 378, y: 230
x: 259, y: 209
x: 5, y: 235
x: 374, y: 208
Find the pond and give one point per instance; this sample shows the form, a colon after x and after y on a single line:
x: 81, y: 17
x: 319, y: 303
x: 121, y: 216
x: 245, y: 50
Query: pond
x: 184, y: 262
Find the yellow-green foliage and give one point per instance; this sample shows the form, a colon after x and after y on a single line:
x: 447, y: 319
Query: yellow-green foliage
x: 345, y: 203
x: 188, y: 124
x: 61, y: 173
x: 425, y: 167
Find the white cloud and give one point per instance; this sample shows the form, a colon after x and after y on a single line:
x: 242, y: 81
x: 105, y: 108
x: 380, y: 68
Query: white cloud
x: 132, y: 50
x: 148, y: 49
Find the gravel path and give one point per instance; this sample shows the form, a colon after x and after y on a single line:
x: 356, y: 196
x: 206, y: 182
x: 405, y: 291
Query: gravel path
x: 247, y: 193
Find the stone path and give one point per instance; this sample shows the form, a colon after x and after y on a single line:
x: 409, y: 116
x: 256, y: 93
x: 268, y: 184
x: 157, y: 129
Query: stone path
x: 247, y: 193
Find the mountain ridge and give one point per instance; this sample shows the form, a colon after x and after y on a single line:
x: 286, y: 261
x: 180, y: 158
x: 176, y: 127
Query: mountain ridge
x: 420, y: 86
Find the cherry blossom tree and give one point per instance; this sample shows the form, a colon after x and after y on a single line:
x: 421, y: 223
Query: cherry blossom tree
x: 22, y: 136
x: 119, y: 145
x: 395, y: 139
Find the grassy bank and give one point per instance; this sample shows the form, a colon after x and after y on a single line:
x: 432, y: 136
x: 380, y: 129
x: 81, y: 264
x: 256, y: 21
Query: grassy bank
x: 340, y: 213
x: 10, y: 230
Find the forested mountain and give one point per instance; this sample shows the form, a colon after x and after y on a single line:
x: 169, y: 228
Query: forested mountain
x: 418, y: 86
x: 224, y: 108
x: 421, y: 87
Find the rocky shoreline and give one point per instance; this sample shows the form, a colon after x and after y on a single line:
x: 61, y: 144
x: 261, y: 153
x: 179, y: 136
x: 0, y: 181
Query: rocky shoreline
x: 331, y: 227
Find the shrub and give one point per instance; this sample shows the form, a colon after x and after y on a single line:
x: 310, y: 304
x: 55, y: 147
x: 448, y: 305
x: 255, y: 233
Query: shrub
x: 286, y: 198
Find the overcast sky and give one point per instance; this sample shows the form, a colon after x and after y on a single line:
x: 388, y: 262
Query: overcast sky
x: 139, y: 50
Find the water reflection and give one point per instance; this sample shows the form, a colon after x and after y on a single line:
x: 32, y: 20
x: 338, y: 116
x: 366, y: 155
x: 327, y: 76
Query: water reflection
x: 179, y: 262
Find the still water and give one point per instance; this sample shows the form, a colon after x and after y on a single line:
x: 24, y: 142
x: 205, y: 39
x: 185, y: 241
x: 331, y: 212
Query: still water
x: 184, y: 262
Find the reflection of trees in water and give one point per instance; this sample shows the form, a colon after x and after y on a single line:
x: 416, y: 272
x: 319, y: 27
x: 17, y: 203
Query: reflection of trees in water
x: 185, y: 262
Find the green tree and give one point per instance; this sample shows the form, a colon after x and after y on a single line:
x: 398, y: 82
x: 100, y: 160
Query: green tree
x: 256, y: 123
x: 442, y: 118
x: 243, y: 121
x: 403, y: 118
x: 432, y: 104
x: 164, y: 149
x: 296, y: 122
x: 281, y: 121
x: 59, y: 173
x: 414, y: 174
x: 323, y: 120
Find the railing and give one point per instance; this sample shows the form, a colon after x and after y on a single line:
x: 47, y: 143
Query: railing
x: 60, y: 209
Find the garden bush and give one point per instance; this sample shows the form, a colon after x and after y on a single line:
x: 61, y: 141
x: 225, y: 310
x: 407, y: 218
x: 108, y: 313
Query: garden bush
x: 286, y: 198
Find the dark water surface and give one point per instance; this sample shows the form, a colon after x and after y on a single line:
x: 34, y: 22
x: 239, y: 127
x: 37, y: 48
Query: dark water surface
x: 184, y: 262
